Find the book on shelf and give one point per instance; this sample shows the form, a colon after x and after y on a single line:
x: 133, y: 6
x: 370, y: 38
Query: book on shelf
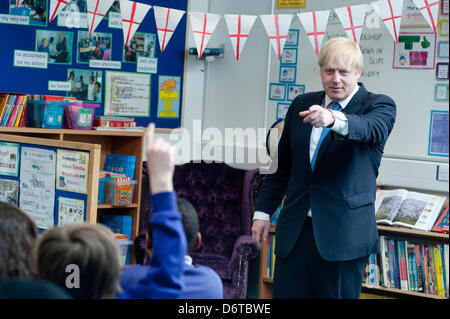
x: 441, y: 224
x: 409, y: 266
x: 114, y: 121
x: 401, y: 207
x: 120, y: 163
x: 119, y: 224
x: 13, y: 108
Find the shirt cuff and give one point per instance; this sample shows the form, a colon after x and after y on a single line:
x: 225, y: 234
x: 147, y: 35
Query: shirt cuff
x: 340, y: 123
x: 262, y: 216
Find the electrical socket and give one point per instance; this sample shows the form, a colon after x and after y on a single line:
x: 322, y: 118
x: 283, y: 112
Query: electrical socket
x: 442, y: 173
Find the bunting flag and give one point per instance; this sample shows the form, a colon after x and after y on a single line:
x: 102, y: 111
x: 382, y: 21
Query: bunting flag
x: 352, y: 19
x: 390, y: 11
x: 166, y: 22
x: 55, y: 7
x: 19, y: 2
x: 239, y: 27
x: 277, y: 28
x: 429, y: 10
x: 96, y: 10
x: 203, y: 25
x: 315, y: 23
x: 132, y: 15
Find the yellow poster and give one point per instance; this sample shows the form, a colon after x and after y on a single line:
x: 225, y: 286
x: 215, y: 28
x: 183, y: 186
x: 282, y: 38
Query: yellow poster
x: 291, y: 4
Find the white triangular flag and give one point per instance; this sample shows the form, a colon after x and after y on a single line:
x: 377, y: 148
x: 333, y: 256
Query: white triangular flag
x: 132, y: 15
x: 203, y: 26
x: 166, y: 22
x: 277, y: 28
x: 390, y: 11
x: 352, y: 19
x: 55, y: 7
x: 429, y: 10
x: 315, y: 24
x: 239, y: 27
x: 96, y: 10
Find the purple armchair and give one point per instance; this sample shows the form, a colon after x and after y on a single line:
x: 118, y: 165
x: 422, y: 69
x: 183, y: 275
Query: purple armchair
x: 224, y: 198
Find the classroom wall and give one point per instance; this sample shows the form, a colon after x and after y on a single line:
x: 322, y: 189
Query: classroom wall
x: 229, y: 93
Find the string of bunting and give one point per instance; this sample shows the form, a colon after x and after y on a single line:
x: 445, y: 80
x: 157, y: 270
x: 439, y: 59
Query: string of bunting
x: 239, y: 26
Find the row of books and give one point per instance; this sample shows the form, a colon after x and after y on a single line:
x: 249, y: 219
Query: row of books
x: 107, y: 123
x: 410, y: 266
x: 400, y: 207
x: 12, y: 109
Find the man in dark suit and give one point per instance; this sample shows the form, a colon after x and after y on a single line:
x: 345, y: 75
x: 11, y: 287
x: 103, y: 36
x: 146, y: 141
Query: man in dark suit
x: 328, y: 159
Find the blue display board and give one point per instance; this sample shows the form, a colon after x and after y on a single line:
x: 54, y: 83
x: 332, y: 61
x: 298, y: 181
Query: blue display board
x: 37, y: 179
x: 101, y: 58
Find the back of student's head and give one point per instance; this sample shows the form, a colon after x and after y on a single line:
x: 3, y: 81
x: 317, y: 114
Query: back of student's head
x: 82, y: 257
x: 18, y: 235
x: 190, y: 221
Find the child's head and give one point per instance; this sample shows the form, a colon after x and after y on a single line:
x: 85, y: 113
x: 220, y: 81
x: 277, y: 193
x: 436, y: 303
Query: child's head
x: 190, y: 224
x: 18, y: 235
x: 86, y: 249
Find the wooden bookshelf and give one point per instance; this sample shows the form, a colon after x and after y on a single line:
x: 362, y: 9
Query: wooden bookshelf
x: 368, y: 291
x: 127, y: 143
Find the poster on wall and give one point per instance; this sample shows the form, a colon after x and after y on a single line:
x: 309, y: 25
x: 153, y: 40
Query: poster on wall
x: 70, y: 210
x: 9, y: 191
x: 169, y: 96
x: 9, y: 159
x: 72, y: 171
x: 127, y: 94
x: 438, y: 143
x: 415, y: 50
x: 37, y: 185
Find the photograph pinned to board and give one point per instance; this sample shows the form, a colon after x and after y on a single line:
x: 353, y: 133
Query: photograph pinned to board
x: 141, y: 45
x: 169, y: 96
x: 415, y: 50
x: 95, y: 47
x: 70, y: 211
x: 85, y: 85
x: 9, y: 191
x: 36, y: 10
x: 438, y: 140
x: 57, y: 44
x: 127, y: 94
x: 72, y: 171
x: 73, y: 15
x: 37, y: 185
x: 9, y: 159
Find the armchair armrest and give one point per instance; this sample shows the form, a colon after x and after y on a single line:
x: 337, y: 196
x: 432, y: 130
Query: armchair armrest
x: 244, y: 250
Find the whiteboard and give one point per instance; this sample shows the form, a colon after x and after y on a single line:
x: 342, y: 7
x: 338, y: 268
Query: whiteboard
x: 413, y: 90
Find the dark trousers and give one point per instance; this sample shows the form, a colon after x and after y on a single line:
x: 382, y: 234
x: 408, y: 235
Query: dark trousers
x: 305, y: 274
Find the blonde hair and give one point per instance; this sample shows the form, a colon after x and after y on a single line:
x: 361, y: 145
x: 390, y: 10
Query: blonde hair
x: 341, y: 52
x: 92, y: 248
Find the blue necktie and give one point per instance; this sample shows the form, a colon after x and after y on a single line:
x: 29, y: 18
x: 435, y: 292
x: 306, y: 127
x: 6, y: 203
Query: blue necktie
x: 334, y: 106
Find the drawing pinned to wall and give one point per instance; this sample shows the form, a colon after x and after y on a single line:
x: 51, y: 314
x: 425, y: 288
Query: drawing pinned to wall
x: 289, y: 56
x: 294, y: 90
x: 288, y: 73
x: 443, y: 27
x: 9, y: 191
x: 72, y: 171
x: 441, y: 93
x: 127, y: 94
x: 70, y: 211
x: 292, y: 38
x: 415, y: 50
x: 37, y: 185
x: 9, y: 159
x: 442, y: 50
x: 444, y: 8
x: 438, y: 141
x: 282, y: 109
x: 277, y: 92
x: 442, y: 71
x: 169, y: 96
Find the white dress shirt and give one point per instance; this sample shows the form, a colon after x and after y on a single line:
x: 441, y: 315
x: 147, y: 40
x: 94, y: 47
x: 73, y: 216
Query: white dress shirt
x: 340, y: 126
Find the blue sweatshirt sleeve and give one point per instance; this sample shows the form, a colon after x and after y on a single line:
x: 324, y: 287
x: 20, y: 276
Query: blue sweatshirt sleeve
x: 164, y: 274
